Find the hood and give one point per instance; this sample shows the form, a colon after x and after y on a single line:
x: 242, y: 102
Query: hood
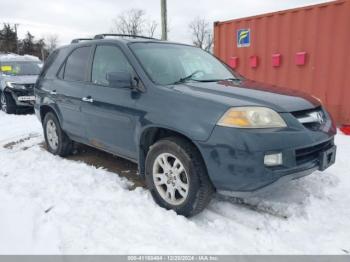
x: 250, y: 93
x: 25, y: 79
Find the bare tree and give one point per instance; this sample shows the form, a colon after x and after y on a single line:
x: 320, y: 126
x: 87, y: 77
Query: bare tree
x: 151, y: 28
x: 201, y: 33
x: 134, y: 22
x: 130, y: 22
x: 51, y: 42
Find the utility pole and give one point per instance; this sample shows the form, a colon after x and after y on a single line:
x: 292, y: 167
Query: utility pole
x: 42, y: 54
x: 163, y: 4
x: 17, y: 46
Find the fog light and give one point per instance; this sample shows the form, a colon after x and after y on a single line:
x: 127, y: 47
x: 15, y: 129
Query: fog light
x: 273, y: 159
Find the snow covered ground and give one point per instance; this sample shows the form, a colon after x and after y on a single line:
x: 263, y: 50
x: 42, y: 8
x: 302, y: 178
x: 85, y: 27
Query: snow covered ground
x: 50, y: 205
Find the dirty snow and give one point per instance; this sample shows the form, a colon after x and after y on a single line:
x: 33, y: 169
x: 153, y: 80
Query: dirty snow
x: 51, y: 205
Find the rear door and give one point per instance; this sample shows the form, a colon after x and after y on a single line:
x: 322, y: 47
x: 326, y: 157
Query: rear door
x: 69, y: 90
x: 110, y: 112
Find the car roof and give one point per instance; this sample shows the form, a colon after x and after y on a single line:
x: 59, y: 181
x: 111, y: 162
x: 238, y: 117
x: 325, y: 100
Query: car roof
x: 10, y: 57
x: 119, y: 38
x: 123, y: 41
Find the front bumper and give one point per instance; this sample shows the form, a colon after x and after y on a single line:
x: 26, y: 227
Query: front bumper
x: 235, y: 157
x: 22, y: 97
x: 269, y: 187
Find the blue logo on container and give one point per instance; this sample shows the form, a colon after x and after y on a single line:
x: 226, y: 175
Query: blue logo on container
x: 243, y: 37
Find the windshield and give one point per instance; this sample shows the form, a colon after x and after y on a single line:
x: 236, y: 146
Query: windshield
x: 20, y: 68
x: 171, y: 63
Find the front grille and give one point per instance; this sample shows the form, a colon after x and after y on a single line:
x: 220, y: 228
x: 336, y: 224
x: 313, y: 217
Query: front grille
x: 23, y: 92
x: 312, y: 119
x: 311, y: 153
x: 29, y: 86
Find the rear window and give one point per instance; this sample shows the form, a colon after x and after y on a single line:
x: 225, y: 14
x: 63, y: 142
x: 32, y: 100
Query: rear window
x: 77, y: 64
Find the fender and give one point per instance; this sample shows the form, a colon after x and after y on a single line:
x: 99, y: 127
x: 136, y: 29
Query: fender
x: 142, y: 145
x: 51, y: 106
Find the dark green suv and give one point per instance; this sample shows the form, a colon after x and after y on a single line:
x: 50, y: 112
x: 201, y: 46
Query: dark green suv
x: 191, y: 124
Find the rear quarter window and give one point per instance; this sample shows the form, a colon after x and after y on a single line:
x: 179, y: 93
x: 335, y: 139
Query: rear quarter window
x: 48, y: 63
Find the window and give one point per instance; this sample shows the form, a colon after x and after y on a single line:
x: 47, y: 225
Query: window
x: 168, y: 63
x: 49, y: 61
x: 21, y: 68
x: 108, y: 59
x: 77, y: 64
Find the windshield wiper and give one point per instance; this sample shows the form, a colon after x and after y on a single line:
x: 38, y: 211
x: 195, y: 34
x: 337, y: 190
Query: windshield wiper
x: 186, y: 78
x: 232, y: 79
x: 217, y: 80
x: 189, y: 77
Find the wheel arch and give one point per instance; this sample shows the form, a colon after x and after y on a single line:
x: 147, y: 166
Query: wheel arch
x: 151, y: 135
x: 7, y: 94
x: 44, y: 109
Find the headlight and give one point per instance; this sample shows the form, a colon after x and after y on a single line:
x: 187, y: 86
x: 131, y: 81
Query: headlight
x: 15, y: 86
x: 9, y: 84
x: 251, y: 117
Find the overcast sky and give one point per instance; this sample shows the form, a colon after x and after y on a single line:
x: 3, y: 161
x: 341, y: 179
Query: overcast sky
x: 82, y: 18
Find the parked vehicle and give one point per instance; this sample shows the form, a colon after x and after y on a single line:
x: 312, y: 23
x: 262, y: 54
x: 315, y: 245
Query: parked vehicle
x: 18, y: 75
x: 191, y: 123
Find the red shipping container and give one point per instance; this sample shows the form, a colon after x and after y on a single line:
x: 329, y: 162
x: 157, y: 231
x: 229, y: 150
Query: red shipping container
x: 300, y: 58
x: 253, y: 61
x: 233, y: 62
x: 276, y: 60
x: 321, y: 31
x: 345, y: 130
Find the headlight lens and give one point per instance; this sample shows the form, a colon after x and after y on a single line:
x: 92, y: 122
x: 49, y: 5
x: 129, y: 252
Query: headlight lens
x: 252, y: 117
x: 9, y: 84
x: 15, y: 86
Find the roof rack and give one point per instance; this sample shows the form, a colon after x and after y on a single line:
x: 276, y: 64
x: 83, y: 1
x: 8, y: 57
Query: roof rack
x: 102, y: 36
x: 77, y: 40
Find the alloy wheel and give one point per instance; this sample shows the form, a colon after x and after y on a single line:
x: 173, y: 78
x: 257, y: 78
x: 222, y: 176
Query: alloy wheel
x: 51, y: 133
x: 171, y: 179
x: 3, y: 102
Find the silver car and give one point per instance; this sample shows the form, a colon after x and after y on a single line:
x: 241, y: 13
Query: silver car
x: 18, y: 75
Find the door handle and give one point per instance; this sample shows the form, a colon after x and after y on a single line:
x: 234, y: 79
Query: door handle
x: 53, y: 92
x: 88, y: 99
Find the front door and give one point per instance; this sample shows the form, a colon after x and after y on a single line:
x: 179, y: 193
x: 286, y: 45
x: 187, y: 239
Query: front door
x: 110, y: 112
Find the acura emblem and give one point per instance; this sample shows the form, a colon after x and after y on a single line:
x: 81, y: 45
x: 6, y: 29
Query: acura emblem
x: 318, y: 116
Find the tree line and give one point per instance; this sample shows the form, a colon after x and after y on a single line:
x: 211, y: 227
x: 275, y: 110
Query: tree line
x: 136, y: 22
x: 132, y: 22
x: 29, y: 45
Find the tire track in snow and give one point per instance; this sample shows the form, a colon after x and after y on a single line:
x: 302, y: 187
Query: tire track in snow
x: 261, y: 206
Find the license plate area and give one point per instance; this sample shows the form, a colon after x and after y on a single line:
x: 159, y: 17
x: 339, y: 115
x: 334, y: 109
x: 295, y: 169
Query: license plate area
x: 26, y: 98
x: 327, y: 158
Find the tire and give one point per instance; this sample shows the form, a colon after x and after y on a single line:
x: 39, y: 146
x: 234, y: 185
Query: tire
x: 7, y: 103
x: 57, y: 142
x: 162, y: 183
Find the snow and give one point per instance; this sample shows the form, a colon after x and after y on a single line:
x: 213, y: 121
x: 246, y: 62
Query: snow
x: 51, y: 205
x: 16, y: 57
x: 32, y: 57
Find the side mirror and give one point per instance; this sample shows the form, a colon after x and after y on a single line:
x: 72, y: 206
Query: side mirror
x: 119, y: 79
